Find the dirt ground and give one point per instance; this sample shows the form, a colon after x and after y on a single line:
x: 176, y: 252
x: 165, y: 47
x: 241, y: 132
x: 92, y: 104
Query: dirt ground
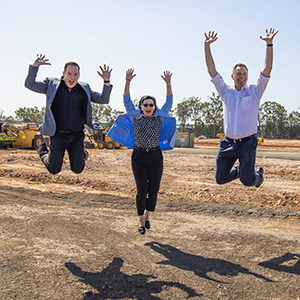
x: 71, y: 236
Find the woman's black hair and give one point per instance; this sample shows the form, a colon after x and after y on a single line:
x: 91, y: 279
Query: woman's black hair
x: 147, y: 97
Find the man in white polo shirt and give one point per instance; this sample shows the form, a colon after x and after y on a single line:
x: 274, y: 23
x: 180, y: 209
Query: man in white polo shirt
x: 241, y: 104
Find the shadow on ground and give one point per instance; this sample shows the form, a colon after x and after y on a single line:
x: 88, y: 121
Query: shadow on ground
x: 199, y: 264
x: 111, y: 283
x: 289, y: 263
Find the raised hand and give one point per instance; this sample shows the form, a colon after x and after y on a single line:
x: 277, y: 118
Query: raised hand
x: 105, y: 72
x: 129, y: 74
x: 269, y: 35
x: 210, y: 37
x: 167, y: 76
x: 41, y: 60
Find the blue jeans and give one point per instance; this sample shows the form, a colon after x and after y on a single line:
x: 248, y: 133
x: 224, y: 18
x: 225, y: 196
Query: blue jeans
x: 245, y: 152
x: 73, y: 143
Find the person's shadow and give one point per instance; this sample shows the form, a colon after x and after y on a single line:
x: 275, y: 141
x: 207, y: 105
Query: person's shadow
x: 288, y: 262
x: 199, y: 264
x: 111, y: 283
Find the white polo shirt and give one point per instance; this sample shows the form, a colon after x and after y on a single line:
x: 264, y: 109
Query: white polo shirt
x: 240, y: 107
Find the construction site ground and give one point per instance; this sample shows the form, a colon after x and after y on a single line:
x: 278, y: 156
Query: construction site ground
x: 71, y: 236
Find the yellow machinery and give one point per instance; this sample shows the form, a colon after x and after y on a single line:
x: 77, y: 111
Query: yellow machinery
x: 220, y: 135
x: 99, y: 138
x: 26, y: 135
x: 89, y: 141
x: 260, y: 140
x: 5, y: 141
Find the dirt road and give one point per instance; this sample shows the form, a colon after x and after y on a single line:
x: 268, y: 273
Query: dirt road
x: 75, y: 236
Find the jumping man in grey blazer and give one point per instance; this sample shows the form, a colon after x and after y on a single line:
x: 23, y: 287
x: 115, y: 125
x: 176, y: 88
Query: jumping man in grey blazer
x: 68, y: 108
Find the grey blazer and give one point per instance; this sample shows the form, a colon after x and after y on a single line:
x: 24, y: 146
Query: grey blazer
x: 49, y: 87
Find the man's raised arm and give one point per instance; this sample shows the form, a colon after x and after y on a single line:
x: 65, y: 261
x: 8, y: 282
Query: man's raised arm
x: 41, y: 60
x: 209, y: 39
x: 269, y: 52
x: 30, y: 82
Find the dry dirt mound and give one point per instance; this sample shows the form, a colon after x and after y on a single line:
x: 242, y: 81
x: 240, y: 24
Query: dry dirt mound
x: 186, y: 177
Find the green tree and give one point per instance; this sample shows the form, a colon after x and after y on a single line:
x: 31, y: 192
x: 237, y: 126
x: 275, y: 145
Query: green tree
x: 212, y: 113
x: 272, y: 120
x: 136, y: 103
x: 4, y: 119
x: 183, y: 112
x: 104, y: 114
x: 195, y: 106
x: 172, y: 112
x: 293, y: 121
x: 30, y: 115
x: 2, y: 116
x: 10, y: 120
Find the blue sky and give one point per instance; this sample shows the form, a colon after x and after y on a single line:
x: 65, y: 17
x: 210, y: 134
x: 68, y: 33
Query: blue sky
x: 149, y: 36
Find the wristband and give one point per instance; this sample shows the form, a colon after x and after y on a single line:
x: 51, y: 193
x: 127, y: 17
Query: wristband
x: 270, y: 45
x: 169, y: 83
x: 106, y: 81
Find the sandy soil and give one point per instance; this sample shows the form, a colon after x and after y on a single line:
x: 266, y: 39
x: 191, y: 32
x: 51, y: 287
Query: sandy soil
x: 74, y: 236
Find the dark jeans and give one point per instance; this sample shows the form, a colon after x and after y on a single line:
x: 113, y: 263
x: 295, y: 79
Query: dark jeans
x: 73, y: 143
x: 147, y: 169
x: 245, y: 152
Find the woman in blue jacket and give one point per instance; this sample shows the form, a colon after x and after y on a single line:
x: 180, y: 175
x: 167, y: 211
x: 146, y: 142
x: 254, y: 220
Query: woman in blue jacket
x: 147, y: 130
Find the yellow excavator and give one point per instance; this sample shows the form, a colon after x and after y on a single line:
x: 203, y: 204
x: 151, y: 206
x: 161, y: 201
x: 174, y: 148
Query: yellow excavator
x: 25, y: 135
x: 5, y: 140
x: 98, y: 138
x: 103, y: 140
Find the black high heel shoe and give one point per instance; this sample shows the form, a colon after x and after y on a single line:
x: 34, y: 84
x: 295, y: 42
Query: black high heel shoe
x: 142, y: 230
x: 147, y: 224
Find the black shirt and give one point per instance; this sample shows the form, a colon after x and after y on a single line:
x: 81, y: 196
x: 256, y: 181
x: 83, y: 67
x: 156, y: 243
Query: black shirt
x: 69, y: 108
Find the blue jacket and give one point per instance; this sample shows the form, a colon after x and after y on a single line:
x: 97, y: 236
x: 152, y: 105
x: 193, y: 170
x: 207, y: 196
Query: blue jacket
x: 49, y: 87
x: 122, y: 130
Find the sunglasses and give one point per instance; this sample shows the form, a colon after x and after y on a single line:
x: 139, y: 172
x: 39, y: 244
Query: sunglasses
x: 146, y: 105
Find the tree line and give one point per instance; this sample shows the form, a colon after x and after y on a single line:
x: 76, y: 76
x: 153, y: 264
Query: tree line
x: 193, y: 115
x: 206, y: 118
